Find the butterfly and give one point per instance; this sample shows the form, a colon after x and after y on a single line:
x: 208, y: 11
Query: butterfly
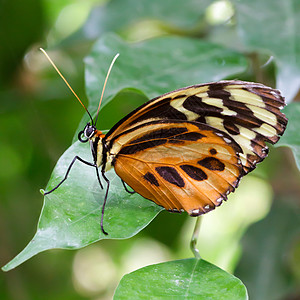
x: 187, y: 150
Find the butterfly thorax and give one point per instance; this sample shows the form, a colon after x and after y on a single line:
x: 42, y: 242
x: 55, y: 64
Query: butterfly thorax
x: 97, y: 147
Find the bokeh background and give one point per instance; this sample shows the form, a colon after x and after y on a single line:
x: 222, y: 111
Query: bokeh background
x: 255, y: 235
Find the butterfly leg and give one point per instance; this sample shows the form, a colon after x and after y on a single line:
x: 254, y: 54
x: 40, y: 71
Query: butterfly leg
x: 105, y: 199
x: 126, y: 189
x: 69, y: 169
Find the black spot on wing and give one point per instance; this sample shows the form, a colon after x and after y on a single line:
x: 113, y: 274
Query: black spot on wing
x: 171, y: 175
x: 213, y: 151
x: 212, y: 163
x: 194, y: 172
x: 151, y: 178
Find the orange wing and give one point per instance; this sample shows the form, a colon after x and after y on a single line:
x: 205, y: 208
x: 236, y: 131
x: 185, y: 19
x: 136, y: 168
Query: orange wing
x: 180, y: 165
x: 188, y: 149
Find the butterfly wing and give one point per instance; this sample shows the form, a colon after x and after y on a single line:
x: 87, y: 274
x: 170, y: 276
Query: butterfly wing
x: 248, y: 112
x: 188, y: 149
x: 180, y: 165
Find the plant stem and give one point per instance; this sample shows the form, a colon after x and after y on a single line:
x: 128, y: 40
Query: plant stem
x: 194, y: 239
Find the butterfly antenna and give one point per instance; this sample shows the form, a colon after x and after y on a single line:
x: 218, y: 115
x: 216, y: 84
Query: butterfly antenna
x: 66, y: 82
x: 104, y: 85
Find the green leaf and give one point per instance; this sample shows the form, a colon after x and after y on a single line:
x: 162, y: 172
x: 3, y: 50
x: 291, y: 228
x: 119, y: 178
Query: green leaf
x: 157, y: 66
x: 291, y: 137
x: 70, y: 217
x: 181, y: 279
x: 117, y: 15
x: 264, y: 264
x: 272, y: 26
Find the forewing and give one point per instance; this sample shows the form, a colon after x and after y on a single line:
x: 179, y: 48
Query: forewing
x: 179, y: 165
x: 248, y: 112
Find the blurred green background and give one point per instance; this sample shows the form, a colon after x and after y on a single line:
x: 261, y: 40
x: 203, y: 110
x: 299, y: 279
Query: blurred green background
x: 255, y: 235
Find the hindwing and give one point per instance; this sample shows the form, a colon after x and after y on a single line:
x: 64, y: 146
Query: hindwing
x: 180, y: 165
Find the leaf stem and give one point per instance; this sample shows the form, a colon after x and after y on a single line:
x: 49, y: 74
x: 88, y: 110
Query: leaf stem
x: 194, y: 238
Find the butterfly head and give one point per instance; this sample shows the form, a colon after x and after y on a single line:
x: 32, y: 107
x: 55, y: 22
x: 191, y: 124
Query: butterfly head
x: 87, y: 133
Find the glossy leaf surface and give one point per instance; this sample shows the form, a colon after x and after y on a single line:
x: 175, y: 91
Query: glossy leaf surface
x: 181, y: 279
x: 291, y: 137
x: 271, y: 27
x: 71, y: 215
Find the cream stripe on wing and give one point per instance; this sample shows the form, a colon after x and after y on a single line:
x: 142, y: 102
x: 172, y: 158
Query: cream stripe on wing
x: 177, y: 104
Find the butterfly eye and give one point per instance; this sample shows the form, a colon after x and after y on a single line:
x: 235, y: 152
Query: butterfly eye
x: 89, y: 131
x: 80, y: 134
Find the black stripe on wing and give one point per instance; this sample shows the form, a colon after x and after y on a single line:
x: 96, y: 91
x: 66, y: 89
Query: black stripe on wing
x: 157, y: 137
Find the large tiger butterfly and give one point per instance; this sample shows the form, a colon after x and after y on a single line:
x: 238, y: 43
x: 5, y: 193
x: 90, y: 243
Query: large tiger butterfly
x: 188, y: 149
